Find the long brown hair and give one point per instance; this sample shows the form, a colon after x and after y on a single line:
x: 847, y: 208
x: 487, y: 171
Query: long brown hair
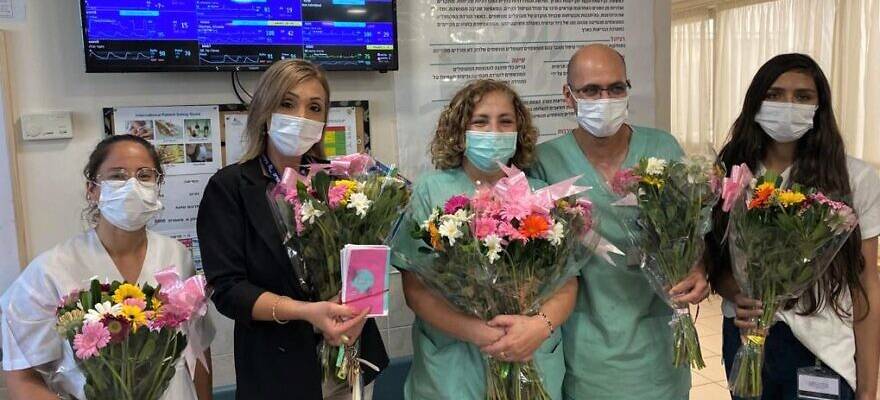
x: 447, y: 147
x: 268, y: 95
x: 820, y: 162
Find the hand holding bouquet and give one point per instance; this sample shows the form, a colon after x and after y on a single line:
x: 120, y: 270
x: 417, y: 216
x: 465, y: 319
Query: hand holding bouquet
x: 128, y: 338
x: 675, y: 201
x: 353, y: 200
x: 504, y: 251
x: 781, y: 241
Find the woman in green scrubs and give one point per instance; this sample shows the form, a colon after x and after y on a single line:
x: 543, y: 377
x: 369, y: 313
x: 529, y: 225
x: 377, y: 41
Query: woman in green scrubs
x: 484, y: 123
x: 617, y: 342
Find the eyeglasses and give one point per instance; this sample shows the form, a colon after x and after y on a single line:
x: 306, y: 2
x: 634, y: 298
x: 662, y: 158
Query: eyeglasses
x: 616, y: 90
x: 143, y: 175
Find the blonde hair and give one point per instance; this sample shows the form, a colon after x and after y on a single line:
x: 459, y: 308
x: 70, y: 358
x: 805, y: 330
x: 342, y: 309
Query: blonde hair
x: 268, y: 95
x: 447, y: 147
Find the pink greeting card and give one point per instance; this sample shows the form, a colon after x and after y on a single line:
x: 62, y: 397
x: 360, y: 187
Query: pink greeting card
x: 365, y: 278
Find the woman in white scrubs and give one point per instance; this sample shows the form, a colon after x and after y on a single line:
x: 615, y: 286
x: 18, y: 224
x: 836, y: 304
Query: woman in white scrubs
x: 123, y: 175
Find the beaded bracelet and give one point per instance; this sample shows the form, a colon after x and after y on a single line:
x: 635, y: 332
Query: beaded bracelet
x: 547, y: 320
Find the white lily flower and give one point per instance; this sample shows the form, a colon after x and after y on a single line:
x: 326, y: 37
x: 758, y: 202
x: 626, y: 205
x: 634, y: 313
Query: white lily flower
x: 555, y: 236
x: 655, y: 166
x: 450, y: 230
x: 493, y: 247
x: 309, y: 212
x: 360, y: 203
x: 432, y: 218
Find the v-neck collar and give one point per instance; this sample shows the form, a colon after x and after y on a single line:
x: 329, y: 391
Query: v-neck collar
x: 110, y: 270
x: 634, y: 150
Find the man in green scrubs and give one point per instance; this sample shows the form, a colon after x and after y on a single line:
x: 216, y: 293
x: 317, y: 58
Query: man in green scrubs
x: 617, y: 342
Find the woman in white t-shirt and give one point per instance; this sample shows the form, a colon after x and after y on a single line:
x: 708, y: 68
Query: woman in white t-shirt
x: 787, y: 126
x: 123, y: 174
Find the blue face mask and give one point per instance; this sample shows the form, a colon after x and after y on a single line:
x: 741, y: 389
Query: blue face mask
x: 486, y: 149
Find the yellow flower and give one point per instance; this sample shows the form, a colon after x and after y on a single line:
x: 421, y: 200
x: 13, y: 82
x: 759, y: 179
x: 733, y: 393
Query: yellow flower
x: 157, y: 304
x: 127, y: 291
x: 653, y: 181
x: 349, y: 185
x: 790, y: 198
x: 70, y: 320
x: 135, y: 315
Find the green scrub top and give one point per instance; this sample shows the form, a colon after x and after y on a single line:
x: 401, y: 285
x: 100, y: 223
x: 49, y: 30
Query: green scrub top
x: 617, y: 342
x: 445, y: 368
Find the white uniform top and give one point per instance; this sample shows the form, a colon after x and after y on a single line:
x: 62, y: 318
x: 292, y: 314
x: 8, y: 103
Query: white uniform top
x: 28, y: 306
x: 827, y: 336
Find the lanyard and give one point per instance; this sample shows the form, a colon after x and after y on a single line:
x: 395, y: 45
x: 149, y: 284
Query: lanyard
x: 270, y: 169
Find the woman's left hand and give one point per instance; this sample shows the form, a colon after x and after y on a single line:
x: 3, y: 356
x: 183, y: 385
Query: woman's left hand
x: 523, y: 335
x: 692, y: 289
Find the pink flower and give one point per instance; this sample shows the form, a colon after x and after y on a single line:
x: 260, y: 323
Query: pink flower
x: 822, y: 199
x: 297, y: 217
x: 166, y: 320
x: 336, y: 195
x: 455, y: 203
x: 139, y: 303
x: 484, y: 227
x: 291, y: 197
x: 508, y: 231
x: 70, y: 298
x: 586, y: 207
x: 844, y: 221
x: 484, y: 202
x: 732, y: 188
x: 624, y: 181
x: 516, y: 208
x: 93, y: 338
x: 183, y: 299
x: 351, y: 165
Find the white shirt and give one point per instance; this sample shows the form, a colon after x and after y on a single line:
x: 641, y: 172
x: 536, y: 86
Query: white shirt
x: 827, y: 336
x: 28, y: 306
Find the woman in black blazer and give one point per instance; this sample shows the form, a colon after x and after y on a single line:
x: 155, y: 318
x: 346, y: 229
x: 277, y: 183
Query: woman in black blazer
x: 244, y: 260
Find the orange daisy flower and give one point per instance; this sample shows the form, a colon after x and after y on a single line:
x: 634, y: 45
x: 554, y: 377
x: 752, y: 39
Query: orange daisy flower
x: 436, y: 242
x: 534, y: 226
x: 762, y: 195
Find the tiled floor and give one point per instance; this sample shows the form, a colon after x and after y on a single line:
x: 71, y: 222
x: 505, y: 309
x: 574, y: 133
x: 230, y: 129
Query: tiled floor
x: 710, y: 383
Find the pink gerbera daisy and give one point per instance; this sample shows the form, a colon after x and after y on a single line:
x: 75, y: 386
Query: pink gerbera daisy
x: 93, y: 338
x: 455, y: 203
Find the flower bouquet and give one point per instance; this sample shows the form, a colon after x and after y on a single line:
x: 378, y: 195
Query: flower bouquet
x: 675, y: 201
x: 781, y: 242
x: 128, y: 338
x: 504, y: 251
x: 353, y: 200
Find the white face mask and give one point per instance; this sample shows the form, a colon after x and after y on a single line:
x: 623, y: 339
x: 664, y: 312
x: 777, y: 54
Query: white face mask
x: 603, y: 117
x: 294, y: 136
x: 129, y: 205
x: 786, y: 122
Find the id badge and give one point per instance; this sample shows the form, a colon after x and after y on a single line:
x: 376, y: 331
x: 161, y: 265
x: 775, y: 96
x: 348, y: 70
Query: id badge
x: 819, y: 383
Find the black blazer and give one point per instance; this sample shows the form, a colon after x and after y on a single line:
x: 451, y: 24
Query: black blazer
x: 243, y: 257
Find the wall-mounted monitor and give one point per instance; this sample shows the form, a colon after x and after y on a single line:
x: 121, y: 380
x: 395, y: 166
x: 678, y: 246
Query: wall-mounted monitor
x: 227, y: 35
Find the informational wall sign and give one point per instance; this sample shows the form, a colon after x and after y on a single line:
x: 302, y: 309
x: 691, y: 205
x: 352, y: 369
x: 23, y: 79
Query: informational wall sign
x: 446, y: 43
x: 186, y: 137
